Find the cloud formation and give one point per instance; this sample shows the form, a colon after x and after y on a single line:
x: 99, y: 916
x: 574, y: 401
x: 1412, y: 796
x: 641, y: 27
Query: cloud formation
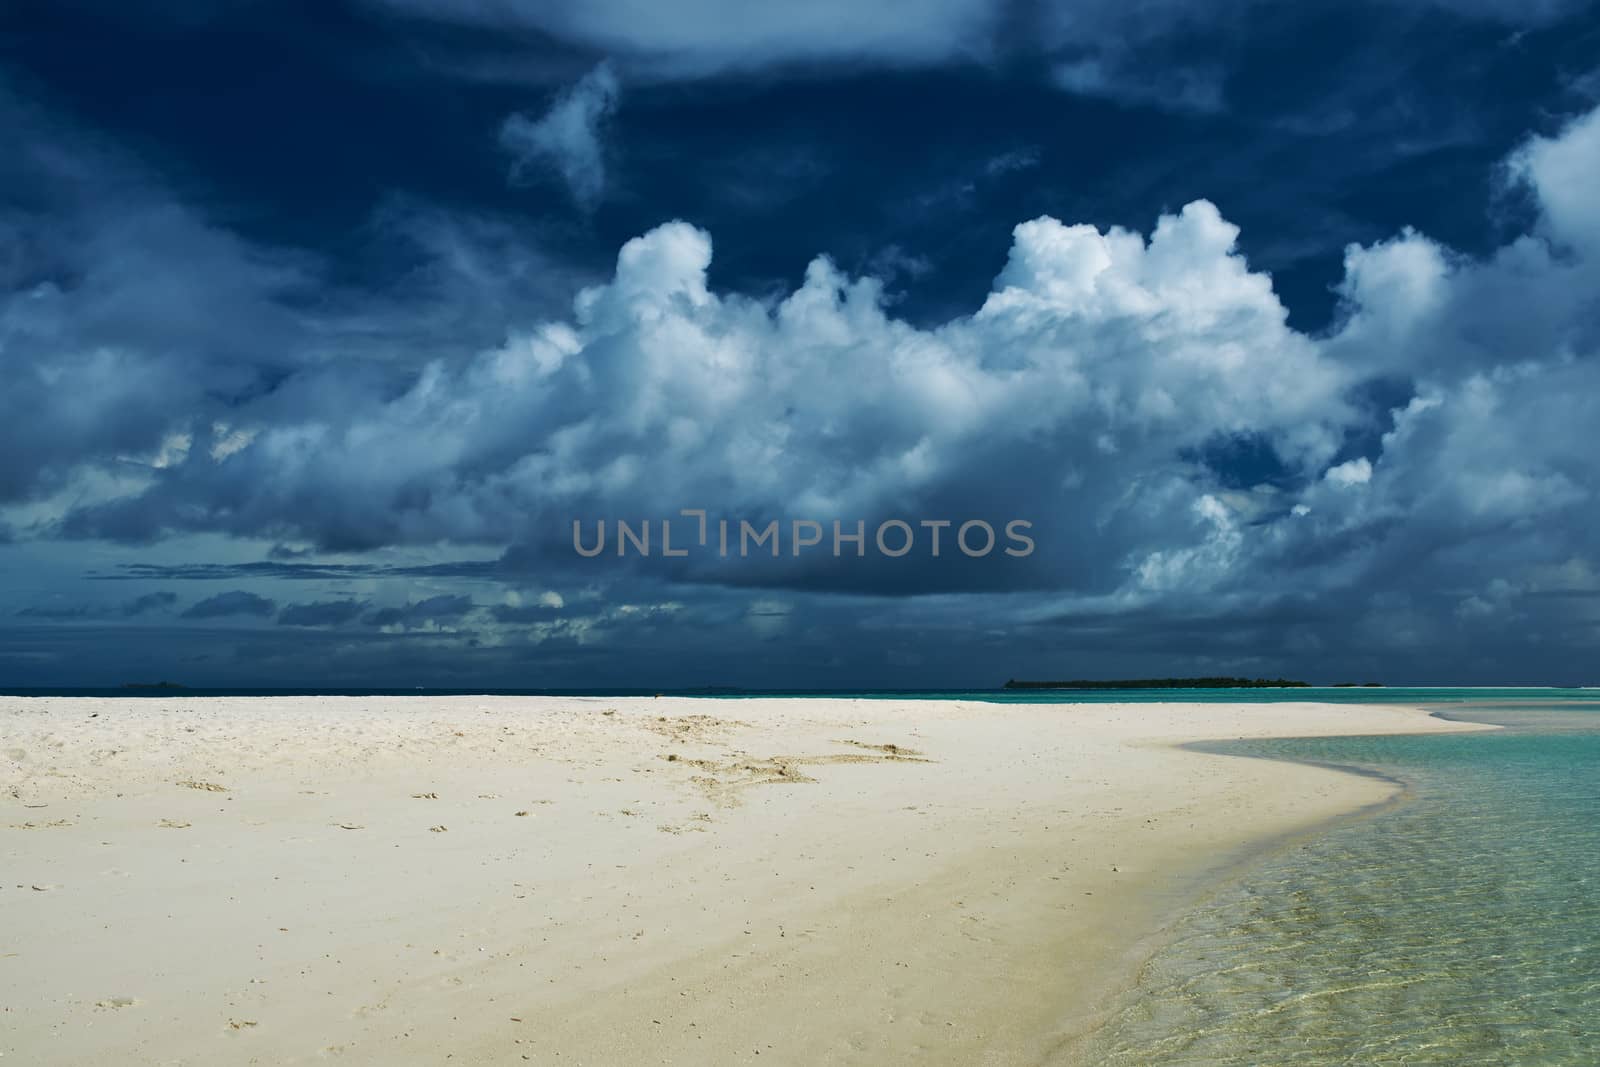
x: 699, y: 37
x: 150, y: 603
x: 1409, y: 476
x: 321, y: 613
x: 1167, y: 55
x: 234, y: 602
x: 1107, y: 389
x: 1098, y: 363
x: 431, y: 613
x: 695, y: 38
x: 568, y: 138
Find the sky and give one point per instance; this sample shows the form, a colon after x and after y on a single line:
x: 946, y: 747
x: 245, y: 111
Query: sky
x: 1275, y: 327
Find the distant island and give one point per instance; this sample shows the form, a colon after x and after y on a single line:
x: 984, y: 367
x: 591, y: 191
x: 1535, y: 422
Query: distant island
x: 1164, y: 683
x: 151, y: 685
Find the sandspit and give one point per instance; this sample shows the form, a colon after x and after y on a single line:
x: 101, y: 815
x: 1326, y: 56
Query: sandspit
x: 591, y: 880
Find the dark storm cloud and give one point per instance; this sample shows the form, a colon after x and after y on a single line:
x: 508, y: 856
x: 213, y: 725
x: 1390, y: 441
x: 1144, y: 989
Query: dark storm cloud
x: 140, y: 605
x: 150, y: 602
x: 431, y: 611
x: 275, y: 570
x: 321, y: 613
x: 521, y: 614
x: 55, y: 611
x: 235, y: 602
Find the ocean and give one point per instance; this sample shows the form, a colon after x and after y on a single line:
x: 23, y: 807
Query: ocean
x: 1459, y: 926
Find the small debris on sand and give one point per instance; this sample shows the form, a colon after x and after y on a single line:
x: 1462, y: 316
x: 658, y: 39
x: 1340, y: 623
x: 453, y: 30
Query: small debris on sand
x: 888, y: 750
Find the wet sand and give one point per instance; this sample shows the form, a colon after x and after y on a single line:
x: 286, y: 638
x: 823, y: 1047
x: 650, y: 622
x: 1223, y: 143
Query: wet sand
x: 594, y: 880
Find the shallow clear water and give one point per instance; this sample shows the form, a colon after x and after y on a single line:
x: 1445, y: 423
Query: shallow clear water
x: 1460, y: 927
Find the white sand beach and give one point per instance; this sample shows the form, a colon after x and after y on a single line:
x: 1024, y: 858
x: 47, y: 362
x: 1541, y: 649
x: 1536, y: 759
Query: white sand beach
x: 589, y: 880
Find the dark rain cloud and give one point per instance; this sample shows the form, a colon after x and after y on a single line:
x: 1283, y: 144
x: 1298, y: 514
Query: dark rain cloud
x: 524, y: 614
x: 141, y: 605
x: 235, y: 602
x: 56, y: 611
x: 150, y: 602
x: 321, y: 613
x: 445, y: 608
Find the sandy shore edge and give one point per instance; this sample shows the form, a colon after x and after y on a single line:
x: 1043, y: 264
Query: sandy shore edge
x: 590, y: 880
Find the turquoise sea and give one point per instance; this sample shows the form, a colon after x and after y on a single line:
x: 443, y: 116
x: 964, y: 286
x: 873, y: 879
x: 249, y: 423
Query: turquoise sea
x: 1459, y: 926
